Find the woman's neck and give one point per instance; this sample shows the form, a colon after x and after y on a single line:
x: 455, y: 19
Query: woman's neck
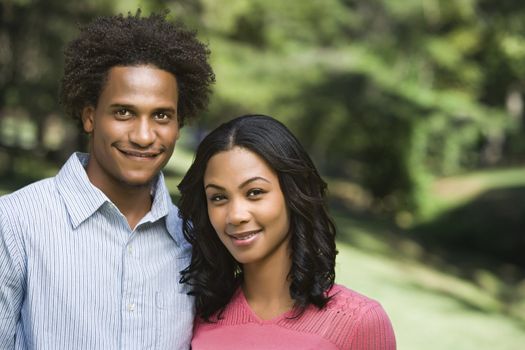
x: 266, y: 286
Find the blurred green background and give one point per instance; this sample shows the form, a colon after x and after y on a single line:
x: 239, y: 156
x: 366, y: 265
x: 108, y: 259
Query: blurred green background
x: 412, y: 110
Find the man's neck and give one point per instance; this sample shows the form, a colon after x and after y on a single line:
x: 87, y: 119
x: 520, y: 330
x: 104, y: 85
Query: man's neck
x: 133, y: 203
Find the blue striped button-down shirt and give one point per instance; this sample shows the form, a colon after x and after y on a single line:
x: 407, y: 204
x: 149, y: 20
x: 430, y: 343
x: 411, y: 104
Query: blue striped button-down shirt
x: 73, y: 275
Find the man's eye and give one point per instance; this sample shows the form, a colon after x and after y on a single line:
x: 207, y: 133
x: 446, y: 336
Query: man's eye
x: 162, y: 116
x: 123, y: 113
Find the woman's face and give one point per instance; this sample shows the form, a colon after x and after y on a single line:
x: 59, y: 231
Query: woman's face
x: 246, y: 206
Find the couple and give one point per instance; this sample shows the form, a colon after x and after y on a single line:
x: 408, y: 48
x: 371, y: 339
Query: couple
x: 98, y: 256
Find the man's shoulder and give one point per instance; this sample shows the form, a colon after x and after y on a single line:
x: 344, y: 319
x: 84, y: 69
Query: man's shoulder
x: 173, y: 220
x: 174, y: 226
x: 29, y: 204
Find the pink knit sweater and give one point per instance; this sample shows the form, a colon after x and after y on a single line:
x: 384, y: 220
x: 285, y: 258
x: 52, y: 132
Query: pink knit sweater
x: 349, y: 321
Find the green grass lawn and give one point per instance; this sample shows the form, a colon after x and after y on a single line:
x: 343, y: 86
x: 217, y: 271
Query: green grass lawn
x: 429, y: 309
x: 430, y: 306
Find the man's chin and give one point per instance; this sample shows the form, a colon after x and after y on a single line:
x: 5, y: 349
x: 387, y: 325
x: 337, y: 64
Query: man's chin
x: 137, y: 178
x: 138, y: 182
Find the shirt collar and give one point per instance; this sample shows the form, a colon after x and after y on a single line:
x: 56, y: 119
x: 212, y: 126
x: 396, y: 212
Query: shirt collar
x: 83, y: 199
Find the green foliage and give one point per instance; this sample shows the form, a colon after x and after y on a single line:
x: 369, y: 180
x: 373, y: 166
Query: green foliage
x: 385, y: 93
x: 32, y: 36
x: 277, y: 24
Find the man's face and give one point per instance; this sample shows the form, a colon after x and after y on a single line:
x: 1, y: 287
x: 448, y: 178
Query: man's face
x: 133, y: 128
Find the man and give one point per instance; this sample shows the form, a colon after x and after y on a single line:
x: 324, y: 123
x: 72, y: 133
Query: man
x: 90, y: 259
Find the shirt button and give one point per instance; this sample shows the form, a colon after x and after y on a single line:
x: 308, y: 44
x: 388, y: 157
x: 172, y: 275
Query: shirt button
x: 130, y: 250
x: 131, y: 307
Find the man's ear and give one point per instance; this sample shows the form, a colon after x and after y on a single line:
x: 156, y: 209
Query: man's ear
x: 88, y: 119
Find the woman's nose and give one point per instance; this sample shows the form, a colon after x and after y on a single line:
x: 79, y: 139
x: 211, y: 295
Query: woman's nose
x: 237, y: 213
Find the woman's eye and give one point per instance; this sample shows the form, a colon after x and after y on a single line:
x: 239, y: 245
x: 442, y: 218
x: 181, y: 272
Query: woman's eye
x: 217, y: 198
x: 255, y: 192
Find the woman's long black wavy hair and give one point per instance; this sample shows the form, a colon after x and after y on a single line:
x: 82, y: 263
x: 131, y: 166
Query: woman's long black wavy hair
x: 213, y: 274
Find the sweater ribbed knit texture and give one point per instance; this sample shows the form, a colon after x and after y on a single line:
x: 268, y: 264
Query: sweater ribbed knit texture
x: 349, y: 321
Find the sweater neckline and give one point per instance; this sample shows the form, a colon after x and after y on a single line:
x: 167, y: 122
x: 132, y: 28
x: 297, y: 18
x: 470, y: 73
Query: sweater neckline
x: 244, y: 303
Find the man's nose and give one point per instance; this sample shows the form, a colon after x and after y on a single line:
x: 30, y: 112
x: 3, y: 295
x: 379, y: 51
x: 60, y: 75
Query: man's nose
x: 143, y: 132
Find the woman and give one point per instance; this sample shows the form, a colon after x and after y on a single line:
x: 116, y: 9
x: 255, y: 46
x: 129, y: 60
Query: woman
x: 262, y: 269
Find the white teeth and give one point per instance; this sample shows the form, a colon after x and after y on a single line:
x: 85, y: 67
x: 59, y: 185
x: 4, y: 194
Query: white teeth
x: 140, y: 155
x: 243, y: 238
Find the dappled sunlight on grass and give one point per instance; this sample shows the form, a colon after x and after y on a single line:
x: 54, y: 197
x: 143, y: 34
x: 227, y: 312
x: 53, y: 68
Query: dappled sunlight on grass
x: 426, y: 295
x: 451, y: 192
x: 429, y: 309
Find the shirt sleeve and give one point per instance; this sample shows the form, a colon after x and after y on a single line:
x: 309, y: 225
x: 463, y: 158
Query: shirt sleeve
x: 374, y: 331
x: 11, y: 284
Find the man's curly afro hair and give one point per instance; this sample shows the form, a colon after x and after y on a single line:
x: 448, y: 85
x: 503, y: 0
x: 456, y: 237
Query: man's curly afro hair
x: 133, y: 40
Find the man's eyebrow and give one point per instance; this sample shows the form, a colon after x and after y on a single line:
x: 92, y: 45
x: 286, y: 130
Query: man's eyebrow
x: 166, y: 109
x: 121, y: 105
x: 158, y: 109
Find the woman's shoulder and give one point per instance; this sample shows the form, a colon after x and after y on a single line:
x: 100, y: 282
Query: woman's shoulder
x: 359, y: 316
x: 345, y: 310
x: 345, y: 299
x: 347, y: 304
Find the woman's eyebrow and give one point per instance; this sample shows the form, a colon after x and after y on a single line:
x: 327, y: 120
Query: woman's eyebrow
x: 252, y: 179
x: 244, y: 183
x: 213, y: 186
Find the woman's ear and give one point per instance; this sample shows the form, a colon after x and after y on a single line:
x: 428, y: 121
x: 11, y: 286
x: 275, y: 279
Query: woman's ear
x: 88, y: 119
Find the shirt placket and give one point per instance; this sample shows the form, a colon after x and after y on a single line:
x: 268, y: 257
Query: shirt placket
x: 137, y: 321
